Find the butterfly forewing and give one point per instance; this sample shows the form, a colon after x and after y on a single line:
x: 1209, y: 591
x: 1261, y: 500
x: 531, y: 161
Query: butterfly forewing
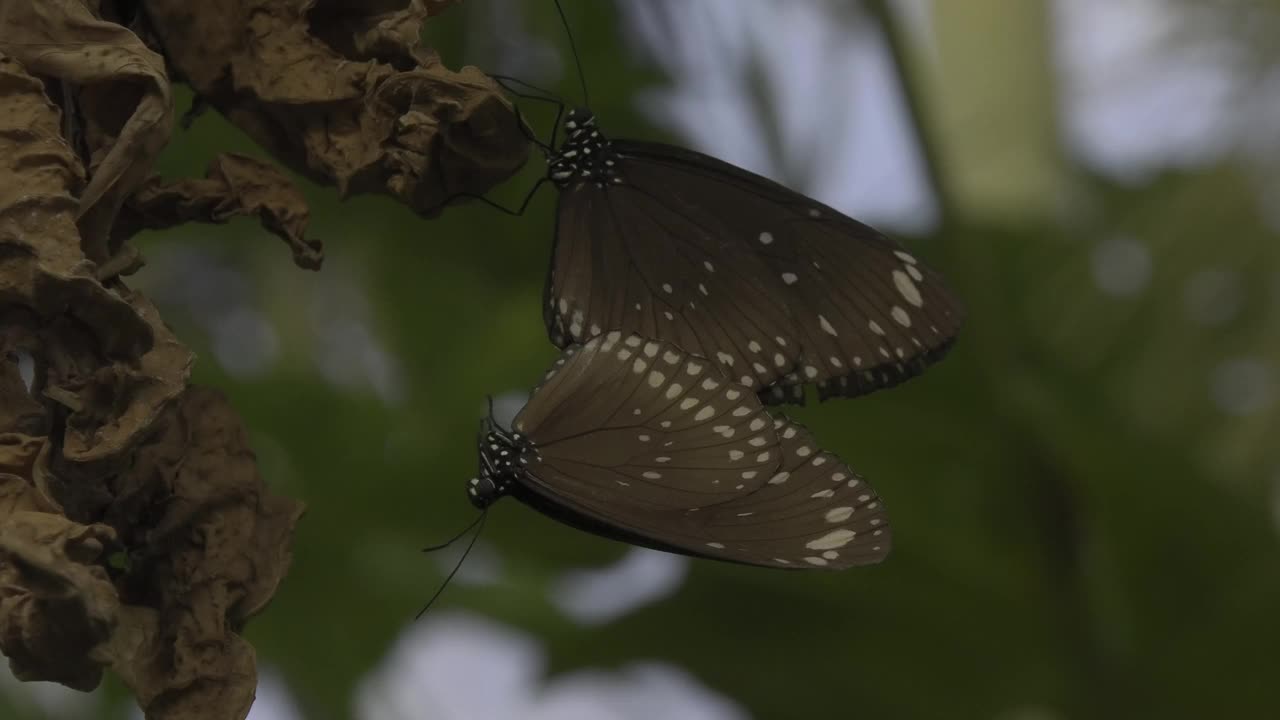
x: 773, y: 286
x: 628, y: 420
x: 662, y: 269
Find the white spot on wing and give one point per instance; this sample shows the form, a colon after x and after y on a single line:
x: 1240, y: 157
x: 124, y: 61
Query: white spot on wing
x: 907, y: 288
x: 901, y: 316
x: 832, y: 540
x: 840, y: 514
x: 826, y: 326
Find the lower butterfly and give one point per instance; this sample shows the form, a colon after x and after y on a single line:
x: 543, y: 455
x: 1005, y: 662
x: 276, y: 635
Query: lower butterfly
x: 635, y: 440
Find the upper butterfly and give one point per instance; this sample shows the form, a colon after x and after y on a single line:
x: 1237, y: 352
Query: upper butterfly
x: 775, y: 287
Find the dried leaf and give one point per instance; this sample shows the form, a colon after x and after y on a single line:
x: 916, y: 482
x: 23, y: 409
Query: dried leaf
x: 235, y: 185
x: 55, y: 604
x: 121, y: 401
x: 384, y: 117
x: 218, y: 550
x: 167, y: 469
x: 210, y: 545
x: 125, y: 99
x: 106, y: 348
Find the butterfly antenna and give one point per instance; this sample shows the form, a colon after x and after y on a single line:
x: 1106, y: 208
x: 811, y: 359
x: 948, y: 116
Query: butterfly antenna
x: 454, y: 539
x: 577, y: 61
x: 479, y: 523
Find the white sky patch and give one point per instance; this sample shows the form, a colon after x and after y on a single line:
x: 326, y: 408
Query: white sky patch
x: 507, y: 405
x: 459, y: 667
x: 1142, y: 90
x: 26, y: 368
x: 640, y: 577
x: 844, y: 138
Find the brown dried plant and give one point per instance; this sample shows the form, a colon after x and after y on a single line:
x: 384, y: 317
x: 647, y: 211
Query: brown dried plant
x: 136, y: 533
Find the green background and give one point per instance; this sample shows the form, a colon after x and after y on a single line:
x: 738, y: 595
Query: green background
x: 1080, y: 530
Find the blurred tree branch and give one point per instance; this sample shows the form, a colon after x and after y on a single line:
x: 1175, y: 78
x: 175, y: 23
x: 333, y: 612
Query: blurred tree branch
x: 906, y: 77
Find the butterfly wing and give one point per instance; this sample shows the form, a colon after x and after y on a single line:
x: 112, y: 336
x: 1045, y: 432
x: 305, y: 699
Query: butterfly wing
x: 633, y: 421
x: 727, y: 483
x: 770, y: 284
x: 815, y: 511
x: 625, y: 260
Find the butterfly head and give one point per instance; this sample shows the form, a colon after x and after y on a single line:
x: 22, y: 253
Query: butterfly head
x: 502, y: 460
x: 585, y: 155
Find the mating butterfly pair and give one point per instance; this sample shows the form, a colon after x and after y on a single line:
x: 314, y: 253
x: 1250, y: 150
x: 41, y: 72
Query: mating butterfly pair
x: 682, y: 287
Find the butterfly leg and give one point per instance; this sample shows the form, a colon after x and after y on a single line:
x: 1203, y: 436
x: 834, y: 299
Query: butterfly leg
x: 524, y: 204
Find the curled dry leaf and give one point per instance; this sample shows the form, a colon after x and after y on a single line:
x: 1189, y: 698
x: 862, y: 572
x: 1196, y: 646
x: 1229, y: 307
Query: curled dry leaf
x: 56, y: 603
x: 235, y: 185
x: 214, y: 555
x: 122, y: 95
x: 341, y: 92
x: 105, y: 442
x: 209, y: 547
x: 106, y: 355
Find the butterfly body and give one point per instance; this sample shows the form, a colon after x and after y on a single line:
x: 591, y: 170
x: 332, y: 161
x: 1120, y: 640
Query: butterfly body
x: 585, y: 156
x: 776, y: 288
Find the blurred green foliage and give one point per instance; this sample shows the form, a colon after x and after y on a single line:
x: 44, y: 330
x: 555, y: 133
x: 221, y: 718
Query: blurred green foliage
x: 1079, y: 529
